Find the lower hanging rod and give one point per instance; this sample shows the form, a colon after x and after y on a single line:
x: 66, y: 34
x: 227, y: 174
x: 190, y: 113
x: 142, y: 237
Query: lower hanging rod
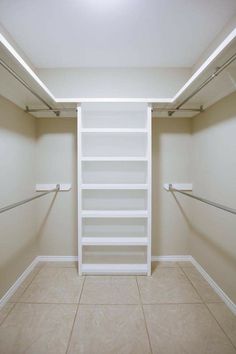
x: 203, y: 200
x: 14, y: 205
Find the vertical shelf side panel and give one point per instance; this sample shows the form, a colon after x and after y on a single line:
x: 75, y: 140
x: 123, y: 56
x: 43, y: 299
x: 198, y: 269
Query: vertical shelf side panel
x: 79, y: 183
x: 149, y: 193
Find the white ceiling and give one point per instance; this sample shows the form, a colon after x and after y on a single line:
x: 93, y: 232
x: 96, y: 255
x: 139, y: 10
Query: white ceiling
x: 114, y: 33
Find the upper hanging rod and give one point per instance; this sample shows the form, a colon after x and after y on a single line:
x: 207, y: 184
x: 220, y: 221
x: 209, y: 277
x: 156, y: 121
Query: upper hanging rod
x: 14, y: 205
x: 203, y: 200
x: 206, y: 82
x: 24, y: 83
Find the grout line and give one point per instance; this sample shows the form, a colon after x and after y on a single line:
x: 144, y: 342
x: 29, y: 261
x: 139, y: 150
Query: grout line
x: 76, y: 313
x: 18, y: 299
x: 145, y: 322
x: 189, y: 279
x: 14, y: 305
x: 212, y: 315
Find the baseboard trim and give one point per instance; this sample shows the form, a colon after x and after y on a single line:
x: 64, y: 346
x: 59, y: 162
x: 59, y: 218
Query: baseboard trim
x: 174, y: 258
x: 171, y: 258
x: 18, y: 282
x: 224, y: 297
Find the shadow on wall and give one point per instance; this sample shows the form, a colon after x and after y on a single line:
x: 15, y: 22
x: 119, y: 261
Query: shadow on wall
x: 218, y: 114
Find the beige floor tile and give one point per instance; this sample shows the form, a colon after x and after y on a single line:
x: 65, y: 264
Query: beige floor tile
x: 110, y: 290
x: 167, y: 285
x: 185, y: 264
x: 4, y: 311
x: 107, y: 329
x: 185, y: 329
x: 18, y: 293
x: 226, y: 319
x: 37, y: 329
x: 203, y: 288
x: 54, y: 285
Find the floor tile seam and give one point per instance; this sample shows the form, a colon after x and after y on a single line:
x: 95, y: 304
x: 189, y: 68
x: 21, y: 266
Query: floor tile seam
x: 37, y: 272
x: 213, y: 316
x: 144, y: 318
x: 76, y: 313
x: 189, y: 279
x: 14, y: 305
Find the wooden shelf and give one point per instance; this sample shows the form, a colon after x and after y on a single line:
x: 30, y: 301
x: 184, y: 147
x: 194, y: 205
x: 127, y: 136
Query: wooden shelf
x: 114, y: 186
x: 114, y: 214
x: 114, y: 241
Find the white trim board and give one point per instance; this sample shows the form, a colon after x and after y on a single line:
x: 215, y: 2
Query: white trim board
x: 170, y: 258
x: 228, y: 39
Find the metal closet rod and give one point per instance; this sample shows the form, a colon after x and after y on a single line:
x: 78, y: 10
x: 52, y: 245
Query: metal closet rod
x: 206, y: 82
x: 24, y: 83
x: 14, y: 205
x: 203, y: 200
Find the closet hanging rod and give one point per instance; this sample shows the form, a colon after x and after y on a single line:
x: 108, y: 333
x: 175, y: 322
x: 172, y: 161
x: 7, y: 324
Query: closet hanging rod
x: 203, y: 200
x: 14, y: 205
x: 24, y: 83
x: 204, y: 83
x: 180, y: 109
x: 34, y: 110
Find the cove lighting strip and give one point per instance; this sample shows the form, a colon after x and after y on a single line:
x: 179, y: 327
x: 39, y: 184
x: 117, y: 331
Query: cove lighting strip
x: 231, y: 36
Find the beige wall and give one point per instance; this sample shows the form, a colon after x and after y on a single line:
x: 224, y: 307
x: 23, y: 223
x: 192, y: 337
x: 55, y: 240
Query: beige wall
x: 56, y: 163
x: 17, y: 180
x: 171, y: 157
x: 213, y: 238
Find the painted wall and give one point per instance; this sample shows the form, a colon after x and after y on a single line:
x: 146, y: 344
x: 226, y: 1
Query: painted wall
x: 17, y: 179
x: 213, y: 238
x: 171, y: 163
x: 56, y: 163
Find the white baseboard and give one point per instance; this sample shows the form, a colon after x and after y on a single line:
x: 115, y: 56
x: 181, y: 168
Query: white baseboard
x: 172, y: 258
x: 228, y: 302
x: 57, y: 258
x: 18, y: 282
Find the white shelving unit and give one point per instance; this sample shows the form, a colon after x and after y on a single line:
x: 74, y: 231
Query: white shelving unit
x: 114, y: 188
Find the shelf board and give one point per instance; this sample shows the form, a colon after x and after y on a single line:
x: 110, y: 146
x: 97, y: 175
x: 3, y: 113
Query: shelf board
x: 114, y: 241
x: 114, y: 186
x: 113, y: 158
x: 114, y: 268
x: 114, y: 214
x: 113, y: 130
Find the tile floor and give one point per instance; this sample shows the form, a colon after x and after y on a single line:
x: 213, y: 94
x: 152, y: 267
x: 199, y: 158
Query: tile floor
x: 173, y: 312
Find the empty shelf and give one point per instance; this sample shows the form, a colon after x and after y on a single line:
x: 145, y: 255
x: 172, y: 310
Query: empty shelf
x: 114, y: 186
x: 114, y: 268
x: 113, y: 130
x: 113, y: 158
x: 114, y: 214
x: 113, y: 241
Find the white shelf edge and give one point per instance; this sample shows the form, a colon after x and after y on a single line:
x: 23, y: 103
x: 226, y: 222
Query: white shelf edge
x: 114, y: 241
x: 114, y: 186
x: 180, y: 186
x: 113, y: 158
x: 47, y: 187
x: 113, y: 130
x: 114, y: 268
x: 114, y: 214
